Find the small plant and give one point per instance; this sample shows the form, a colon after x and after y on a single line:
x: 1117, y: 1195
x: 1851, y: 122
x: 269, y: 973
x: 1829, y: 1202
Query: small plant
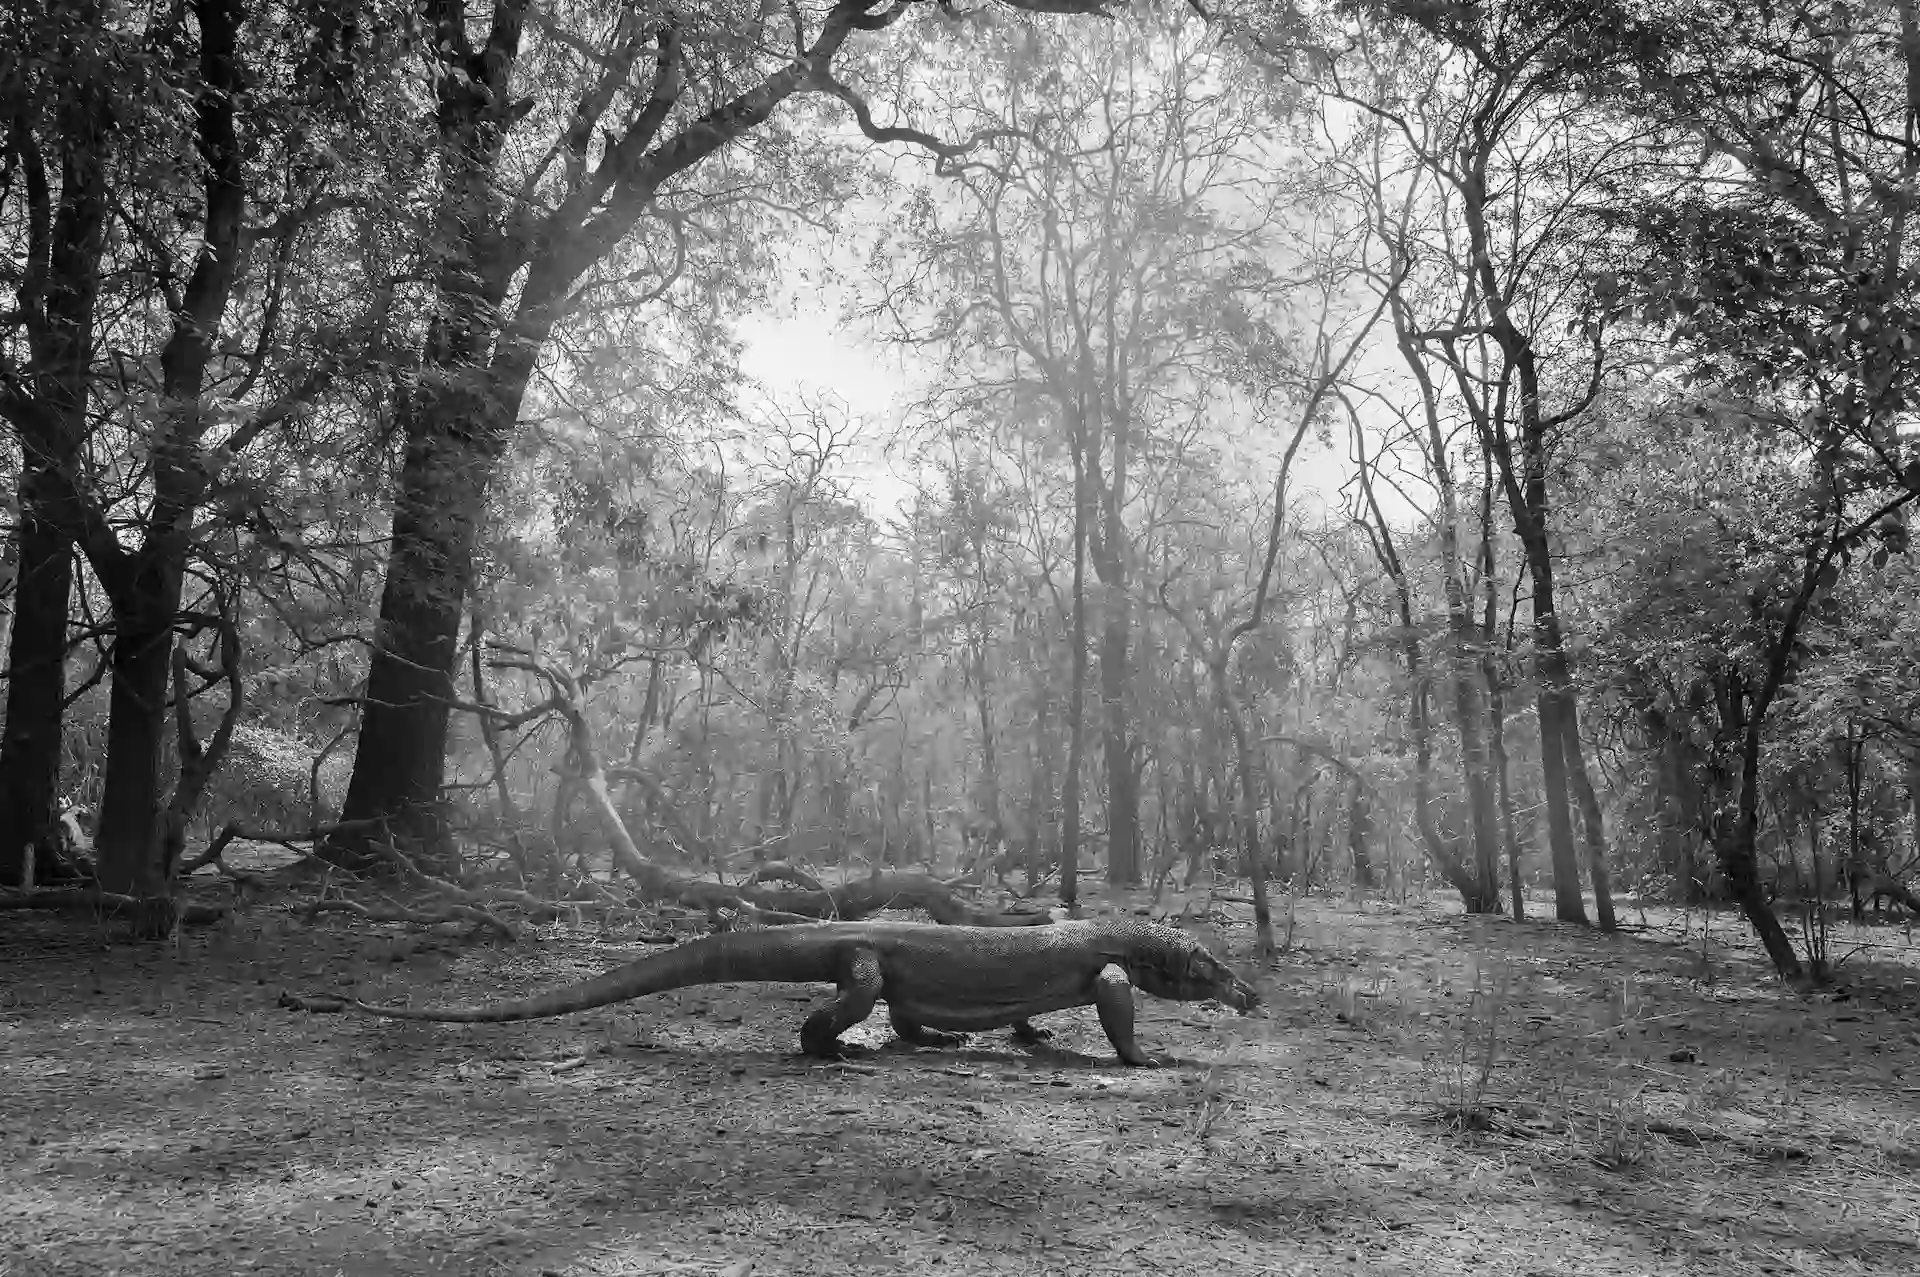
x: 1719, y: 1090
x: 1213, y: 1102
x: 1621, y: 1138
x: 1465, y: 1086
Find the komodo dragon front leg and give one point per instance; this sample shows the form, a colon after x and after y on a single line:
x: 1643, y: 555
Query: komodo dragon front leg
x: 1113, y: 999
x: 861, y: 984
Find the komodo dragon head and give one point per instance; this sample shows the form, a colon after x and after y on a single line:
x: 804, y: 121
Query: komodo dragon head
x: 1169, y: 963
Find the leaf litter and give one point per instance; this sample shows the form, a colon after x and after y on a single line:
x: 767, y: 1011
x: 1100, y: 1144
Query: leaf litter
x: 1426, y: 1093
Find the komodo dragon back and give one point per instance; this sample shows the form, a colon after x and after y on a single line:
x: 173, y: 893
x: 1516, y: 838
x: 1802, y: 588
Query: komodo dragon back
x: 799, y: 955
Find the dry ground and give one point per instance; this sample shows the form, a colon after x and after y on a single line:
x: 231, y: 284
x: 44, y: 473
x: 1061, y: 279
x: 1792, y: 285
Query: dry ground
x: 160, y: 1115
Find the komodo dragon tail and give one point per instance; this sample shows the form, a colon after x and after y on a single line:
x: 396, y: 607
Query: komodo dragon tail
x: 797, y: 954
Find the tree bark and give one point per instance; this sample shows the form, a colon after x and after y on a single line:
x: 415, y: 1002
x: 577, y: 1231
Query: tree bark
x: 1592, y: 818
x: 1263, y: 941
x: 1739, y: 859
x: 1077, y: 681
x: 1526, y: 488
x: 36, y: 691
x: 138, y: 840
x: 1123, y: 797
x: 475, y: 369
x: 457, y: 417
x: 1359, y: 830
x: 57, y: 298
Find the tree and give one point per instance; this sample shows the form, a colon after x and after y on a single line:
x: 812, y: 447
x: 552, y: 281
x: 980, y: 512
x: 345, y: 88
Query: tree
x: 521, y: 227
x: 1792, y: 277
x: 1527, y: 166
x: 1112, y: 260
x: 187, y: 124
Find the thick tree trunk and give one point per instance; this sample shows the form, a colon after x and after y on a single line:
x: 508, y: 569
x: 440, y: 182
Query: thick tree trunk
x: 36, y: 688
x: 400, y: 757
x: 127, y: 843
x: 457, y: 428
x: 57, y: 298
x: 138, y: 840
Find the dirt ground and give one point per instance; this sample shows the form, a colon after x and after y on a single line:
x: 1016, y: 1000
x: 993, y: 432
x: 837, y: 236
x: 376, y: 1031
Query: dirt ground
x: 1424, y: 1093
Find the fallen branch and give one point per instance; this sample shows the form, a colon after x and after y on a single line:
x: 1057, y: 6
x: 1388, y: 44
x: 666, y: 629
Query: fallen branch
x: 850, y: 900
x: 89, y: 900
x: 291, y: 840
x: 318, y: 1004
x: 780, y: 871
x: 398, y: 913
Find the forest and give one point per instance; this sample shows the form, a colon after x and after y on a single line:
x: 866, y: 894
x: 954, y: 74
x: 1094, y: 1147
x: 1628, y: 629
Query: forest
x: 1416, y: 494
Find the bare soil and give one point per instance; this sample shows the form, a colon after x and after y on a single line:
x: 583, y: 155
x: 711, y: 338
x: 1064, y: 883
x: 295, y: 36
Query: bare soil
x: 1425, y: 1093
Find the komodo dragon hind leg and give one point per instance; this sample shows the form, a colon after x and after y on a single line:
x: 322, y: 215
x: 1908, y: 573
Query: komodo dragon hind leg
x: 1113, y: 998
x: 1027, y: 1033
x: 860, y: 987
x: 914, y: 1033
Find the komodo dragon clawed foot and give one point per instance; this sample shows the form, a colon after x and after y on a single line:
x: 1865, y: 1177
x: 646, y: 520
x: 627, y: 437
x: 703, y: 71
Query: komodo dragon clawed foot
x: 914, y: 1033
x: 1027, y: 1033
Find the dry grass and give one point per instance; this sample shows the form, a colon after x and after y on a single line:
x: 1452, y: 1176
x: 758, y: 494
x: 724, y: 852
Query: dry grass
x: 1427, y: 1094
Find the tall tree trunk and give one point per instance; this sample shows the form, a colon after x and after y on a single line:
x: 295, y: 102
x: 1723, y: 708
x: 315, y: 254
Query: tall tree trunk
x: 36, y: 690
x: 1913, y: 797
x: 1042, y: 846
x: 1263, y: 941
x: 1359, y: 831
x: 1592, y: 818
x: 1496, y: 684
x: 1509, y: 834
x: 1739, y: 859
x: 133, y: 794
x: 1463, y: 672
x: 1123, y: 798
x: 1480, y: 895
x: 57, y: 296
x: 1525, y: 482
x: 1568, y: 903
x: 1077, y: 680
x: 475, y: 368
x: 399, y: 759
x: 989, y: 758
x: 138, y: 840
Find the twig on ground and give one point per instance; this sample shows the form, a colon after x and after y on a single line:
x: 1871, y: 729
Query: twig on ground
x: 419, y: 917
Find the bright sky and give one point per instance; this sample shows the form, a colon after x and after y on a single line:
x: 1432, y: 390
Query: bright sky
x: 799, y: 347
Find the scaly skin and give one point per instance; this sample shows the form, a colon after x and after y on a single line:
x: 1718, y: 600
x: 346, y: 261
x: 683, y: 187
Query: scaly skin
x: 938, y: 982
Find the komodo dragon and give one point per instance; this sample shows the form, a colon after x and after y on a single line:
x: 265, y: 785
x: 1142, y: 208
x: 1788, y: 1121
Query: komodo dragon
x: 933, y: 978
